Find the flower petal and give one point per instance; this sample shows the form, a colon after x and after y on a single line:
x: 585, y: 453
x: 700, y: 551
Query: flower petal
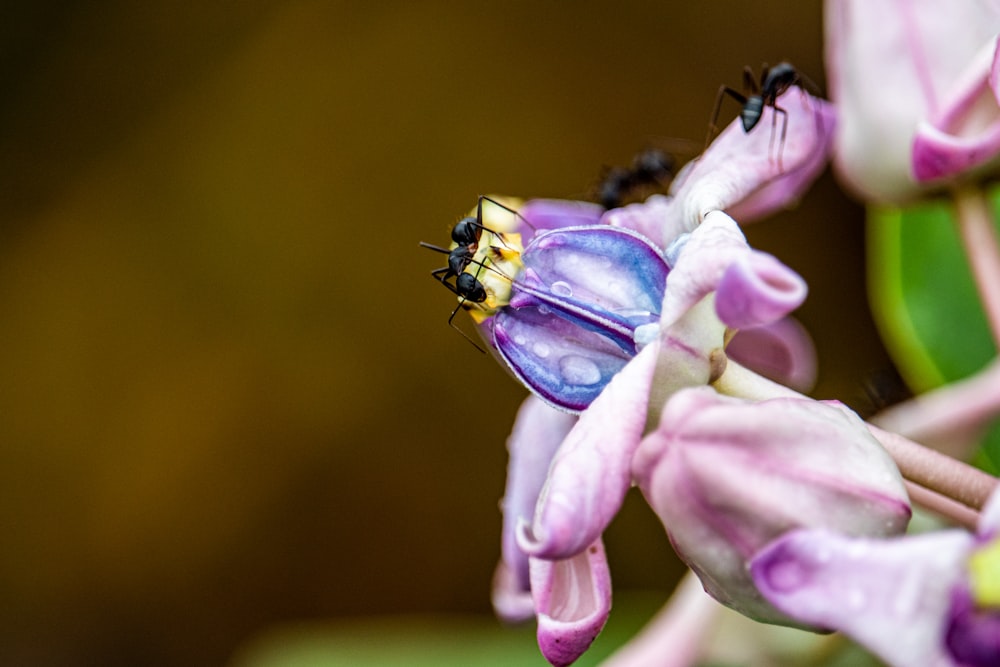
x: 592, y: 470
x: 706, y: 254
x: 558, y: 213
x: 966, y: 132
x: 564, y: 364
x: 653, y: 218
x: 538, y: 431
x: 890, y: 66
x: 572, y: 601
x: 757, y: 289
x: 604, y: 278
x: 872, y: 590
x: 753, y: 174
x: 781, y: 351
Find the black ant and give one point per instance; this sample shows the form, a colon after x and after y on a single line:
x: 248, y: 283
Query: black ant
x: 466, y: 235
x: 773, y: 82
x: 650, y: 168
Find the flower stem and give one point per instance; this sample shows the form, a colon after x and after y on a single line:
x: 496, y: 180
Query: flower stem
x: 951, y: 417
x: 673, y: 637
x: 942, y: 506
x: 922, y: 467
x: 979, y: 237
x: 937, y: 472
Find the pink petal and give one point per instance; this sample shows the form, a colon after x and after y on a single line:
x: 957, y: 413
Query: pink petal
x: 890, y: 65
x: 757, y: 289
x: 752, y: 173
x: 538, y: 431
x: 890, y: 595
x: 572, y: 601
x: 592, y: 470
x: 781, y: 351
x: 966, y: 132
x: 653, y: 218
x: 511, y: 597
x: 708, y: 252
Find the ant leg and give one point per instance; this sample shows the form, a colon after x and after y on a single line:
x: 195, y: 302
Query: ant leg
x: 750, y: 84
x: 464, y: 335
x: 435, y: 248
x: 723, y: 91
x: 784, y: 131
x: 479, y: 212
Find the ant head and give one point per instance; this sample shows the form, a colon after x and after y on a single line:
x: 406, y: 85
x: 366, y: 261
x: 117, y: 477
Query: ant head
x: 467, y: 231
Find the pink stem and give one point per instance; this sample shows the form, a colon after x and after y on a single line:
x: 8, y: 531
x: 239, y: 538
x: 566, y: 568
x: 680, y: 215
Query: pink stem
x: 673, y: 637
x: 942, y: 506
x: 937, y: 472
x: 979, y: 236
x: 951, y: 417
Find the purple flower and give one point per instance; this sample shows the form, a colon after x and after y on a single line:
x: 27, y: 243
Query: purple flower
x: 923, y: 600
x: 569, y: 310
x: 916, y: 84
x: 726, y: 476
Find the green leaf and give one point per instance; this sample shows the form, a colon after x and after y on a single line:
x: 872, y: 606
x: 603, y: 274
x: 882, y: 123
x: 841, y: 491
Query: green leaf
x: 924, y: 299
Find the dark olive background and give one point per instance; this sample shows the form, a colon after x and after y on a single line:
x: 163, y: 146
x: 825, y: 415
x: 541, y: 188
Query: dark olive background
x: 228, y: 393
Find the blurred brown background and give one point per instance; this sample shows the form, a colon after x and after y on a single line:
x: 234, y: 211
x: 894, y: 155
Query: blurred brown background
x: 229, y: 395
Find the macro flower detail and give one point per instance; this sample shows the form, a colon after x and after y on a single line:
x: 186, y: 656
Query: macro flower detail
x: 740, y: 173
x: 569, y: 598
x: 574, y: 310
x: 915, y: 84
x: 726, y: 476
x: 939, y: 588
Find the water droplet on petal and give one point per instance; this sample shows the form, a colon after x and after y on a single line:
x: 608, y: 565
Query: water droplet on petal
x: 579, y: 370
x: 541, y: 349
x: 562, y: 288
x: 519, y: 339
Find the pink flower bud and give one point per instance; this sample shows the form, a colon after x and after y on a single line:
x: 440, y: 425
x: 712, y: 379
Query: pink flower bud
x: 727, y: 476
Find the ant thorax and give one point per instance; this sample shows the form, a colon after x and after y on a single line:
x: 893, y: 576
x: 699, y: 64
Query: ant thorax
x: 496, y: 265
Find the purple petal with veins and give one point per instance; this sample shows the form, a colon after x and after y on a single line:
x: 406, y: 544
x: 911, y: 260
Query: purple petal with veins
x: 757, y: 289
x: 570, y: 326
x: 573, y: 600
x: 565, y: 364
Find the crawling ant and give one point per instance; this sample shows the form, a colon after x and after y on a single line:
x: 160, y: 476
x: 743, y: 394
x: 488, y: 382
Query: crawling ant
x: 650, y: 168
x: 466, y: 234
x: 756, y: 95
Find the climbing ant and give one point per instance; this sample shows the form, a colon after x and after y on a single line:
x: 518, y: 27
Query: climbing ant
x: 466, y: 235
x: 773, y: 82
x: 650, y: 168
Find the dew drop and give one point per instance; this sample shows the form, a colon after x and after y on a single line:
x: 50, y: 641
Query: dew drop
x: 562, y: 288
x: 541, y: 349
x: 519, y: 339
x: 579, y: 370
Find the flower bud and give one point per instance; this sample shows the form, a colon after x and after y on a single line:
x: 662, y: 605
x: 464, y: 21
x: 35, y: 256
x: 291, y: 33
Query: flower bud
x: 727, y: 476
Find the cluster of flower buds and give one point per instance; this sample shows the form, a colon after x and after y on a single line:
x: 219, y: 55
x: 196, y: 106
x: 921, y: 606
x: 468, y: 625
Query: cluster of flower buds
x: 638, y: 330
